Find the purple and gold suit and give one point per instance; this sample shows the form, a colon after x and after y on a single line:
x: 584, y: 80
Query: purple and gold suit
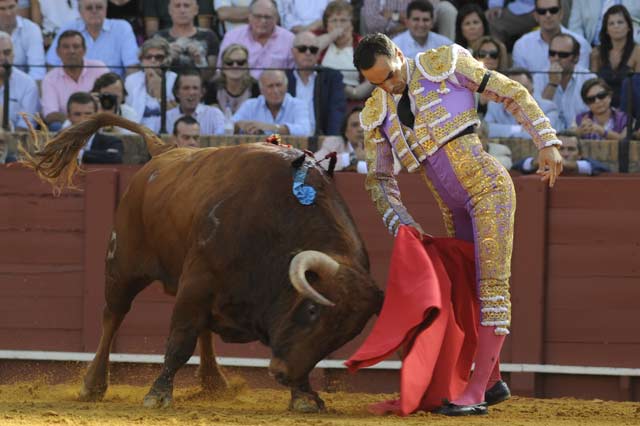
x: 473, y: 190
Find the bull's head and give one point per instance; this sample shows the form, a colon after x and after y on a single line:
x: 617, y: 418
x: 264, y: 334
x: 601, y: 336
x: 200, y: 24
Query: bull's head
x: 317, y: 324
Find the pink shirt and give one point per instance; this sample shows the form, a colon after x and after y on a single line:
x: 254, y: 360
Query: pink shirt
x: 57, y: 86
x: 276, y: 53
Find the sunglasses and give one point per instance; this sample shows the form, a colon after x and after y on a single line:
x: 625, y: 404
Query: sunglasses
x: 592, y: 99
x: 312, y: 49
x: 544, y: 10
x: 238, y: 62
x: 559, y: 54
x: 158, y: 57
x: 493, y: 54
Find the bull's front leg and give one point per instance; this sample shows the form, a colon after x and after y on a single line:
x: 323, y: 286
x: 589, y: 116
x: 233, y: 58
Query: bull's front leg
x: 304, y: 399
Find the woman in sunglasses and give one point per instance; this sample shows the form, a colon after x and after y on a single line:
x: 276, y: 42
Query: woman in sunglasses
x: 337, y: 42
x: 493, y: 54
x: 602, y: 121
x: 234, y: 84
x: 617, y: 54
x: 144, y: 87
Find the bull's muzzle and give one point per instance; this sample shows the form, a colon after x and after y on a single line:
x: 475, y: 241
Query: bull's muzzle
x: 320, y: 263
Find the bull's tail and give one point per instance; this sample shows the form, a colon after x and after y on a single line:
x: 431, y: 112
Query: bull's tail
x: 55, y: 160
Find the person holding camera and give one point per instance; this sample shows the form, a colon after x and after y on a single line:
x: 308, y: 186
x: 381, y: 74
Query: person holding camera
x: 110, y: 91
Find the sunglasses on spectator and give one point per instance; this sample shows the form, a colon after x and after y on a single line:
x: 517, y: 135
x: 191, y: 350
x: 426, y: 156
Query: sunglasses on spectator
x: 312, y: 49
x: 493, y: 54
x: 544, y: 10
x: 592, y: 99
x: 559, y: 54
x: 238, y: 62
x: 158, y: 57
x: 92, y: 7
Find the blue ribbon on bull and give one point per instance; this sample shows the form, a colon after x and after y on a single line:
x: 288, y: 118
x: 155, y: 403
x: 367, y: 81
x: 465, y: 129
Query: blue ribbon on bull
x: 305, y: 194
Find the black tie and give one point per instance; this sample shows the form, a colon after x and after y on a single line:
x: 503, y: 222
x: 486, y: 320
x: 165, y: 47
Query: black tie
x: 404, y: 109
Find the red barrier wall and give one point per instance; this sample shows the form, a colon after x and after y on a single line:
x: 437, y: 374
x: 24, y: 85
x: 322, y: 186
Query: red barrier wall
x: 576, y: 266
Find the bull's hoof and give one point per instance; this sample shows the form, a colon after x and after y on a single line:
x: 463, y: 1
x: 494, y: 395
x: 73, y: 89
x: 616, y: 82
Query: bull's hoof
x: 92, y: 394
x: 306, y: 403
x: 155, y: 399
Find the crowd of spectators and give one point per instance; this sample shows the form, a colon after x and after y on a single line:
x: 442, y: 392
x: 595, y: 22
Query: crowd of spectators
x: 259, y: 66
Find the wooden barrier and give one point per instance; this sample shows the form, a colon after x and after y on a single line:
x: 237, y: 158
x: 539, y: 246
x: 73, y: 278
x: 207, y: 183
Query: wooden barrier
x: 576, y: 266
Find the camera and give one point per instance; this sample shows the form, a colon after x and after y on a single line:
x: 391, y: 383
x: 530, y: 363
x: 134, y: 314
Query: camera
x: 107, y: 101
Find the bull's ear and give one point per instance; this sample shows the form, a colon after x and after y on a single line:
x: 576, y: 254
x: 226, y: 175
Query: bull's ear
x: 298, y: 161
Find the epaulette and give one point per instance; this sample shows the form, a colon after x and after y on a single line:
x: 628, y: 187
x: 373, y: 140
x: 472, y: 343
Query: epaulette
x: 375, y: 110
x: 438, y: 64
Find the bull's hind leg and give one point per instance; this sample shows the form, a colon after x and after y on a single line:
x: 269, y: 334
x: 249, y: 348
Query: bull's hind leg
x: 210, y: 375
x: 190, y: 318
x: 118, y: 302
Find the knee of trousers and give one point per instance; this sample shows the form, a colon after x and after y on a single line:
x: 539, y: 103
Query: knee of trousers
x: 495, y: 305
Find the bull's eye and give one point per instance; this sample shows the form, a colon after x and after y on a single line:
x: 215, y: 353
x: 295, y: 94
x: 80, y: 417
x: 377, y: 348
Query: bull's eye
x: 312, y: 311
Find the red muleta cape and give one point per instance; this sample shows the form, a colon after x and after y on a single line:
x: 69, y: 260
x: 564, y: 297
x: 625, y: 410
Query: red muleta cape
x: 430, y: 311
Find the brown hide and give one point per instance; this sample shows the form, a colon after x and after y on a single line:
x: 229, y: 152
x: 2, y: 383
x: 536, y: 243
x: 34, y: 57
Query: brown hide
x: 232, y: 208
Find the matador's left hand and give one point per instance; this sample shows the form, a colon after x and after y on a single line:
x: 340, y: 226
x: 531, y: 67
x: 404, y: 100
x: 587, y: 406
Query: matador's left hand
x: 549, y: 164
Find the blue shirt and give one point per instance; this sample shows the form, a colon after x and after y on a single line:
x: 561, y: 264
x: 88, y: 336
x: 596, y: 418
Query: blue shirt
x: 28, y: 53
x: 23, y: 97
x: 116, y: 45
x: 410, y: 47
x: 293, y: 114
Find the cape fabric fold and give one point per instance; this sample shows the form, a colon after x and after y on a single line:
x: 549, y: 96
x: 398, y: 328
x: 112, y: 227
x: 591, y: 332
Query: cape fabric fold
x: 430, y: 312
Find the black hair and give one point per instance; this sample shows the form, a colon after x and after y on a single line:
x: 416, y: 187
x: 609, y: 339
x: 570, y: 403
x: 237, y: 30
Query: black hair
x: 186, y: 119
x: 345, y: 122
x: 81, y: 98
x: 605, y: 40
x: 184, y: 73
x: 420, y: 5
x: 575, y: 50
x: 372, y: 45
x: 465, y: 11
x: 107, y: 79
x: 72, y: 33
x: 520, y: 71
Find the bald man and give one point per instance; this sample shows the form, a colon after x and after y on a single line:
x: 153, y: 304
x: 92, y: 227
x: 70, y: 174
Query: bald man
x: 274, y: 111
x: 319, y: 87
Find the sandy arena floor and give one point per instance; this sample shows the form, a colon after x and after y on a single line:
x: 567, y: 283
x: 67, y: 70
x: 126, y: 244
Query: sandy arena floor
x: 37, y: 404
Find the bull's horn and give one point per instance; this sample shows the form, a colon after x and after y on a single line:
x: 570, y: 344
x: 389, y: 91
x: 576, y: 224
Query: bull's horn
x: 318, y: 262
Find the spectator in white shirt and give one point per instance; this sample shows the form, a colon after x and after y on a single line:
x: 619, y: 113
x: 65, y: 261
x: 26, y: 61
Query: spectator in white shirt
x: 232, y: 13
x: 301, y: 15
x: 564, y: 81
x: 274, y: 111
x: 419, y: 36
x: 28, y: 48
x: 531, y: 50
x: 188, y: 91
x: 23, y: 91
x: 51, y: 15
x: 144, y: 88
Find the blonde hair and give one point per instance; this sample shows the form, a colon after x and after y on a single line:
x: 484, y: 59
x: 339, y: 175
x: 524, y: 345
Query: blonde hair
x: 503, y: 57
x: 247, y: 80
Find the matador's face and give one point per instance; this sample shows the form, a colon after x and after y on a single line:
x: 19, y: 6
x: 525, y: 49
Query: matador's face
x: 388, y: 73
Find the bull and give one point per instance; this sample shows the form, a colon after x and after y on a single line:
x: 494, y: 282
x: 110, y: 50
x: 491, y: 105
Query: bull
x: 245, y: 259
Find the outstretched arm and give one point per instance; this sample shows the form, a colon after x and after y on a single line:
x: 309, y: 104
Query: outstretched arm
x: 517, y: 100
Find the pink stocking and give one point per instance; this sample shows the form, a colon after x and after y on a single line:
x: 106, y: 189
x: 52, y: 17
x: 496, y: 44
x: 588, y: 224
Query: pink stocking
x: 495, y: 375
x: 489, y: 346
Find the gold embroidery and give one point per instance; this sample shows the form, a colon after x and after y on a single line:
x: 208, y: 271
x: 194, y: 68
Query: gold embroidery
x: 374, y: 111
x: 492, y: 198
x: 437, y: 63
